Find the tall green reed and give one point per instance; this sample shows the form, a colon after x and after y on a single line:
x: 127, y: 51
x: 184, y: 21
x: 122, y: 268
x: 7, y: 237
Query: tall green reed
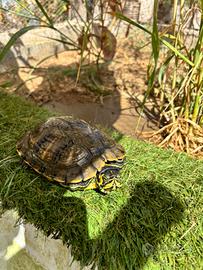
x: 178, y: 69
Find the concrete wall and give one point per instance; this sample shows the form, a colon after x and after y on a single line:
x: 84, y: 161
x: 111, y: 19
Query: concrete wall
x: 24, y: 247
x: 146, y: 11
x: 33, y: 46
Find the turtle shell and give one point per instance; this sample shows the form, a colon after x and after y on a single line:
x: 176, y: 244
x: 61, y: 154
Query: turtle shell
x: 70, y: 152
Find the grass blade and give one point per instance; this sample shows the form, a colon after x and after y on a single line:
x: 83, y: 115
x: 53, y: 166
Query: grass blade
x: 13, y: 39
x: 173, y: 49
x: 166, y: 43
x: 44, y: 12
x: 128, y: 20
x: 63, y: 42
x: 163, y: 68
x: 155, y: 47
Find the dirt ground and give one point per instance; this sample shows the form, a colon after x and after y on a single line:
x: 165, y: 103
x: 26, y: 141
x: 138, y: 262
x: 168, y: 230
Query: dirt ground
x: 112, y: 100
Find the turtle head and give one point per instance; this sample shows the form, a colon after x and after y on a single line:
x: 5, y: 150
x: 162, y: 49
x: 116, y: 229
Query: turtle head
x: 107, y: 180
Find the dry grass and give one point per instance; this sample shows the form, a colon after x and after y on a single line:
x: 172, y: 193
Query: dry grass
x: 182, y: 135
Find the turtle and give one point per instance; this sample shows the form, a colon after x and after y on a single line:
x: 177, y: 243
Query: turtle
x: 73, y: 153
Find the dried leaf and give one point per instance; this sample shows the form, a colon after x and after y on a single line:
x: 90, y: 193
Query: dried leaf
x: 106, y: 41
x: 115, y: 5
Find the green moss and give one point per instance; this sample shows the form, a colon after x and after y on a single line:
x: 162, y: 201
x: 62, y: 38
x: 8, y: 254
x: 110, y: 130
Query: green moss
x: 152, y: 222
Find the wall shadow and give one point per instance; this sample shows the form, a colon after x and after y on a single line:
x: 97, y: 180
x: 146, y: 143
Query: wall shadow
x: 150, y: 109
x: 135, y: 233
x: 9, y: 66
